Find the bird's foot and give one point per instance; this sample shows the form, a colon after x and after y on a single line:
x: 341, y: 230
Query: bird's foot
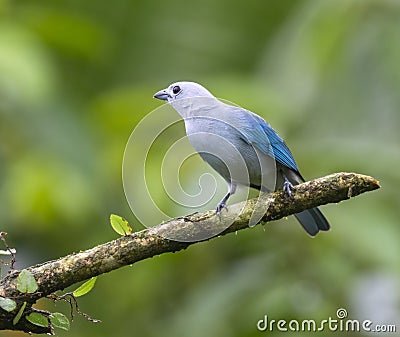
x: 222, y: 204
x: 220, y: 207
x: 287, y: 188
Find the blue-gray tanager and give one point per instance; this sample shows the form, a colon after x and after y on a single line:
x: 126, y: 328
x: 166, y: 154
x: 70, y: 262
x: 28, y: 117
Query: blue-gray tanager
x: 240, y: 145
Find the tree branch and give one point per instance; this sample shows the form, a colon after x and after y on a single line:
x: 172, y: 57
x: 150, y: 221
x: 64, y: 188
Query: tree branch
x: 59, y: 274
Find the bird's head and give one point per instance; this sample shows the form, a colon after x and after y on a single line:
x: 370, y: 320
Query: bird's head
x: 182, y: 90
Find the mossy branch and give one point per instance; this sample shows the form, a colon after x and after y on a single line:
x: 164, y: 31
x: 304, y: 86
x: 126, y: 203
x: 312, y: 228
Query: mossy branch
x: 61, y: 273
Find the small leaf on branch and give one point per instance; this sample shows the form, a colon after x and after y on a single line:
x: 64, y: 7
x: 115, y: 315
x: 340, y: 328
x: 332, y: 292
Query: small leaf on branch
x: 7, y: 304
x: 120, y: 225
x: 58, y: 320
x: 84, y: 288
x: 26, y: 282
x: 38, y: 319
x: 19, y: 314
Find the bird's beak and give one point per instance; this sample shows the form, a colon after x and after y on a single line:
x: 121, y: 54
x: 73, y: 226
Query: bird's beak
x: 162, y: 94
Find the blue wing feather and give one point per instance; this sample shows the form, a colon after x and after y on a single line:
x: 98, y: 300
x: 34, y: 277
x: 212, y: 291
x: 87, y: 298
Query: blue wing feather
x: 281, y: 151
x: 259, y: 133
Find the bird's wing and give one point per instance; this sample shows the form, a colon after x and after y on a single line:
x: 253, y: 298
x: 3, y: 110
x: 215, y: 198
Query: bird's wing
x: 255, y: 130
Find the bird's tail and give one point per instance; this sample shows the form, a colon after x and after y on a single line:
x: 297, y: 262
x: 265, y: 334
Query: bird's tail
x: 312, y: 221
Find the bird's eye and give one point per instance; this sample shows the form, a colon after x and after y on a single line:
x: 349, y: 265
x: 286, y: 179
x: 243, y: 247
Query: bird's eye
x: 176, y: 89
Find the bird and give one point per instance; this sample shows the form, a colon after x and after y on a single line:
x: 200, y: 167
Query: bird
x: 240, y: 145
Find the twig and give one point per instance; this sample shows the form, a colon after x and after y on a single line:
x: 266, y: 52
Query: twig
x: 10, y: 251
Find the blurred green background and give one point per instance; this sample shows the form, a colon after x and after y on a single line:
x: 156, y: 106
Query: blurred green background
x: 77, y: 76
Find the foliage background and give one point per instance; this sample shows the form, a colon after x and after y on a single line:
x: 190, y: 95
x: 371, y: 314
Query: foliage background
x: 77, y: 76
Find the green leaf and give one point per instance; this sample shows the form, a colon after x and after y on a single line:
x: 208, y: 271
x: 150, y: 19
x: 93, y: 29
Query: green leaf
x: 7, y: 304
x: 38, y: 319
x: 120, y: 225
x: 58, y: 320
x: 85, y: 287
x: 19, y: 315
x: 26, y: 282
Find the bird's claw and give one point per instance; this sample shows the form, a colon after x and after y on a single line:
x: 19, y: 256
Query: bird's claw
x: 287, y: 188
x: 220, y: 207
